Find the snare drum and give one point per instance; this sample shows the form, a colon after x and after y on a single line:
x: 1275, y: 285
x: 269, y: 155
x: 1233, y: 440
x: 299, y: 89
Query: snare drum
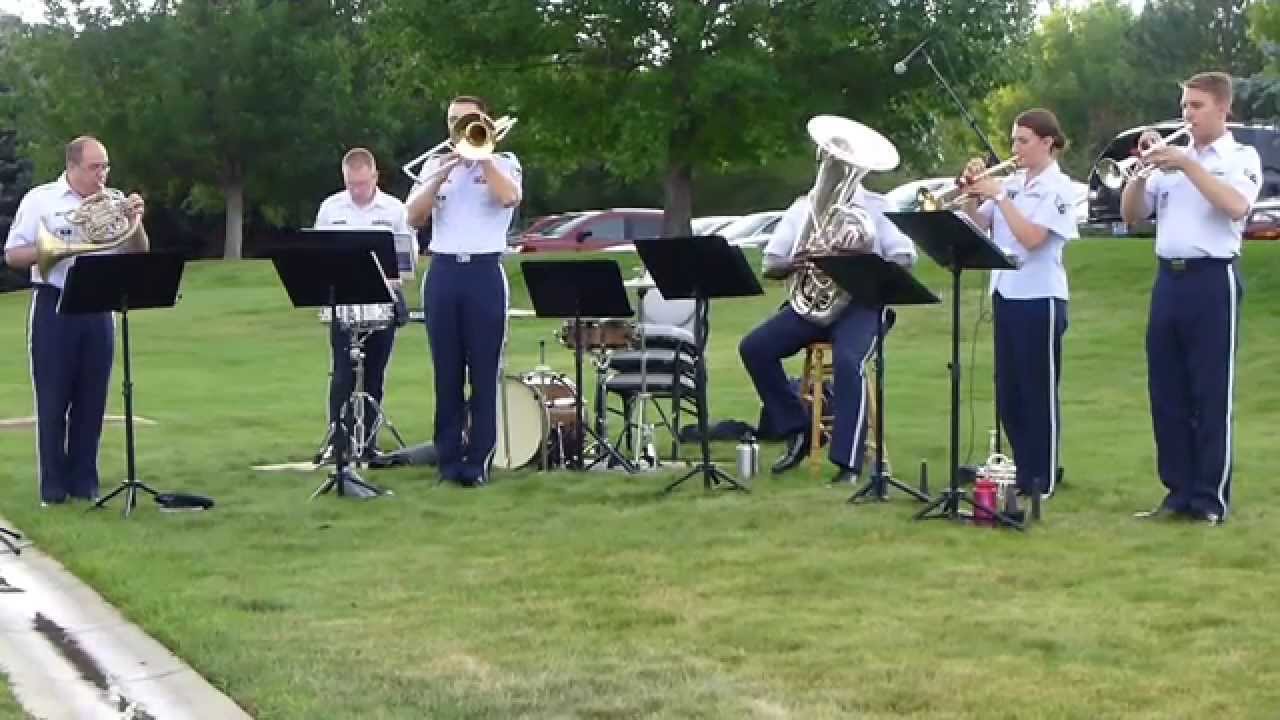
x: 598, y: 334
x: 540, y: 413
x: 361, y: 317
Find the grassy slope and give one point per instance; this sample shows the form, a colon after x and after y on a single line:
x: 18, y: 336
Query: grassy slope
x: 587, y: 596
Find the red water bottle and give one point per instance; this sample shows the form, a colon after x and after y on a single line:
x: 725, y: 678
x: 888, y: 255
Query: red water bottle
x: 984, y: 500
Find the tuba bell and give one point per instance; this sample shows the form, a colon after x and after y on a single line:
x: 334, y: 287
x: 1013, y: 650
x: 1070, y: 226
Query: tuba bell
x: 103, y: 222
x: 835, y: 224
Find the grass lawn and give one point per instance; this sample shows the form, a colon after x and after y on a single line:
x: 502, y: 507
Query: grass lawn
x: 588, y: 596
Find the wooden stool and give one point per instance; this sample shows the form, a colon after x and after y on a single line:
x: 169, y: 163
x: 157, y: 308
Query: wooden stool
x: 819, y: 366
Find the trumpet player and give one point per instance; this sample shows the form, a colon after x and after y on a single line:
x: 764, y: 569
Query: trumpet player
x: 71, y: 355
x: 464, y: 294
x: 1201, y: 196
x: 1031, y: 217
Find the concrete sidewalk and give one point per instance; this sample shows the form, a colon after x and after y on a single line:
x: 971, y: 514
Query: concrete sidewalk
x: 68, y: 654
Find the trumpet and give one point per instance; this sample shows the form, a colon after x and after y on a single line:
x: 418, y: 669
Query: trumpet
x: 473, y: 136
x: 928, y: 202
x: 1114, y: 174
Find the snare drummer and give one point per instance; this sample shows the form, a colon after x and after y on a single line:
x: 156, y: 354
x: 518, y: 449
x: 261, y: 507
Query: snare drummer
x: 464, y: 296
x: 362, y: 206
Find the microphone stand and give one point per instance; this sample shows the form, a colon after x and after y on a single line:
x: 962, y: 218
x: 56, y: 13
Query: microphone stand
x: 992, y: 159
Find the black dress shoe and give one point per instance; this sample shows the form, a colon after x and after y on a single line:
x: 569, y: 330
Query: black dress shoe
x: 1206, y: 518
x: 845, y: 476
x: 797, y: 448
x: 1160, y: 512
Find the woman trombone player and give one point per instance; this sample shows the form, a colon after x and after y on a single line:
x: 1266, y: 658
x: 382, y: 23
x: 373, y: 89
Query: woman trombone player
x: 1031, y: 218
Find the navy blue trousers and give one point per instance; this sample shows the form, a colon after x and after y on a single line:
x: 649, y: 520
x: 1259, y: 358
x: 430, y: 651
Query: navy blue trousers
x: 71, y: 359
x: 1191, y: 352
x: 465, y: 307
x: 377, y: 355
x: 852, y: 338
x: 1028, y: 357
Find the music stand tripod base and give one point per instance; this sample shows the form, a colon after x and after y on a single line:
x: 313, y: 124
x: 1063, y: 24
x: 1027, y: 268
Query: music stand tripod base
x: 11, y: 540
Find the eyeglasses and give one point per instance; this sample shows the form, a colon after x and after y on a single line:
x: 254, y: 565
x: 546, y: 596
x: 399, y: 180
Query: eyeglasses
x: 98, y: 167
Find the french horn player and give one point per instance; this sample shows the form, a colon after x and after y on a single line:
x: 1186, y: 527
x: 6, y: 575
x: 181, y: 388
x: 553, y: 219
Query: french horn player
x: 837, y: 216
x: 71, y: 355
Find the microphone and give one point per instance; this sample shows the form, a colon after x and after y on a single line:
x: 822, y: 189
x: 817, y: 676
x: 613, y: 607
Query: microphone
x: 900, y: 67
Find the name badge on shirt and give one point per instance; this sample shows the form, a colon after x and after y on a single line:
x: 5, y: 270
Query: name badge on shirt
x: 1164, y: 199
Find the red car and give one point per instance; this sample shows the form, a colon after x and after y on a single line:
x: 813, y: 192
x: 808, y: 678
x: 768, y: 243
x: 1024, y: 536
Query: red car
x: 594, y: 230
x: 1264, y: 221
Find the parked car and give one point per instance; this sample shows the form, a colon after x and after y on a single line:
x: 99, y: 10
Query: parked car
x: 543, y: 227
x: 1104, y: 203
x: 711, y: 224
x: 1264, y: 221
x: 596, y: 230
x: 751, y: 230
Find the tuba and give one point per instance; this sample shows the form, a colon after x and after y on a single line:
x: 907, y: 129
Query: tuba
x: 103, y: 222
x: 835, y: 225
x: 473, y: 136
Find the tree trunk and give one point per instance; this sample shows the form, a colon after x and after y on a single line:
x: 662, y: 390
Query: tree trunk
x: 234, y: 234
x: 677, y: 201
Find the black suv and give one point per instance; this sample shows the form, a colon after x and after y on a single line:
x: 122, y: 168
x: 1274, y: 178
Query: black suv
x: 1104, y: 203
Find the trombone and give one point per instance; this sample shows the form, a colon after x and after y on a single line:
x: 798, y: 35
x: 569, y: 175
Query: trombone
x: 949, y: 200
x: 1114, y: 174
x: 473, y: 136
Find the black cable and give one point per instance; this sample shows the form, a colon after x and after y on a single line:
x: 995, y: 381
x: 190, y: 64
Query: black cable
x: 983, y: 315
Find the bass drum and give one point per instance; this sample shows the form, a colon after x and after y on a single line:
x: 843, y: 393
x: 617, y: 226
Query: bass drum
x: 535, y: 411
x: 522, y: 424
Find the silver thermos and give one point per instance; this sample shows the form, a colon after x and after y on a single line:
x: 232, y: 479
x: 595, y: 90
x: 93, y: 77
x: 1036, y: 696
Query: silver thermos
x: 748, y: 457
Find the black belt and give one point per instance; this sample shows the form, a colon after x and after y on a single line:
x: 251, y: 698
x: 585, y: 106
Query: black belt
x: 467, y: 257
x: 1185, y: 264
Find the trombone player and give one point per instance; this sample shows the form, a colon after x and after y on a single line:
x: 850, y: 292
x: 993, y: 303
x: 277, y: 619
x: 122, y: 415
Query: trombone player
x: 71, y: 355
x: 464, y: 293
x: 1201, y: 196
x: 1031, y: 216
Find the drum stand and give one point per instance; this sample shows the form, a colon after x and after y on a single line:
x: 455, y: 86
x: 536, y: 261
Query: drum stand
x: 602, y: 448
x: 354, y: 407
x: 646, y: 455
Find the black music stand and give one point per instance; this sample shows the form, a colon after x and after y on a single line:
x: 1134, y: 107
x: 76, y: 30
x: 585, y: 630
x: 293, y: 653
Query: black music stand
x: 576, y: 289
x: 701, y: 267
x: 120, y: 283
x: 872, y: 281
x: 957, y: 244
x: 328, y: 276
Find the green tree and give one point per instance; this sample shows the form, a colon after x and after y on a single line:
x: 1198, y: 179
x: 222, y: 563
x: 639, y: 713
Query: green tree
x: 1076, y: 67
x: 207, y: 102
x: 1181, y: 37
x: 654, y: 88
